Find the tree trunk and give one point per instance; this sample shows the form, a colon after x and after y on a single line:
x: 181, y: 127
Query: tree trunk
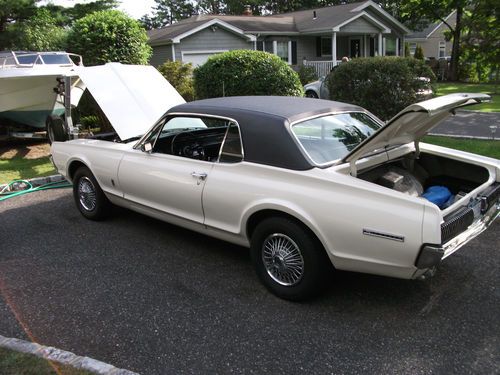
x: 455, y: 51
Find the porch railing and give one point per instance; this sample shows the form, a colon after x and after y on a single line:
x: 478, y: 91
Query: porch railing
x: 322, y: 67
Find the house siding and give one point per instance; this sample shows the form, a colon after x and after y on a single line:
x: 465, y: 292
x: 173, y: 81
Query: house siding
x: 161, y: 54
x: 430, y: 45
x: 360, y: 26
x: 206, y: 40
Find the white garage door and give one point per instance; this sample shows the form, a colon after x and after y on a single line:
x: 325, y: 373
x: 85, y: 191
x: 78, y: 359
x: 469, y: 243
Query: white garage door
x: 197, y: 58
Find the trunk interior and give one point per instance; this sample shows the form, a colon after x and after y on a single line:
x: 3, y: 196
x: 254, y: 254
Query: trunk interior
x: 416, y: 176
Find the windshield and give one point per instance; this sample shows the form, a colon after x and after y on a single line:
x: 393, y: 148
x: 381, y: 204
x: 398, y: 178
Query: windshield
x: 331, y: 137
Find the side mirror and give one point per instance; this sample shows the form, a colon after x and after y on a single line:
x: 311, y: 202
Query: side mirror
x: 146, y: 147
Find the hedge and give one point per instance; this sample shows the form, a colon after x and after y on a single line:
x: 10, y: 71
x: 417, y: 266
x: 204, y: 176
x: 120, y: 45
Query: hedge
x: 383, y: 85
x: 245, y: 72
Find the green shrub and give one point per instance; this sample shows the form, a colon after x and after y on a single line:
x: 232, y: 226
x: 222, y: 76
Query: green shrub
x: 109, y: 36
x: 307, y: 74
x: 407, y: 50
x: 419, y: 53
x: 246, y: 72
x: 383, y: 85
x: 180, y: 76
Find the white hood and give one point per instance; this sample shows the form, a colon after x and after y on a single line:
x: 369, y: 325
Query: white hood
x: 413, y: 122
x: 133, y: 97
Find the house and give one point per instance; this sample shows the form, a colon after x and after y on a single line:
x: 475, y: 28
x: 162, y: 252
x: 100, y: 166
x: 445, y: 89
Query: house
x: 433, y: 40
x: 319, y: 37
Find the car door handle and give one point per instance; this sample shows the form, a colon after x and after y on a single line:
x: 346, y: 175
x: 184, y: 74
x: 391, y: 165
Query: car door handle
x: 201, y: 176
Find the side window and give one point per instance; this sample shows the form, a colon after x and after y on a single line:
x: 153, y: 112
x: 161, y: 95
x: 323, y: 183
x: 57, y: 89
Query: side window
x: 231, y: 150
x: 191, y: 137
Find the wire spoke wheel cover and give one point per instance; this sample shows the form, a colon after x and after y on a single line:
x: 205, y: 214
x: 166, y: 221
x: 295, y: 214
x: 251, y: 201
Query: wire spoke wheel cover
x: 282, y: 259
x: 87, y: 194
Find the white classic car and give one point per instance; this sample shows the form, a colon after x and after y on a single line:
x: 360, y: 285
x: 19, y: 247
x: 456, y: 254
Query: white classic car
x: 306, y: 184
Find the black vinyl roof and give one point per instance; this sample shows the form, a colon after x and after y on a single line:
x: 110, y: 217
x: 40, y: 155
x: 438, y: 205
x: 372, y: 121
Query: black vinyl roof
x: 263, y: 122
x: 287, y: 107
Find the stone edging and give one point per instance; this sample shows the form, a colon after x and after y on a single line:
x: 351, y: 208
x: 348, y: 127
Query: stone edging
x: 39, y: 181
x: 63, y: 357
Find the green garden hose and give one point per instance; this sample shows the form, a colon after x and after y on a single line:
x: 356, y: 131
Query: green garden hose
x: 4, y: 195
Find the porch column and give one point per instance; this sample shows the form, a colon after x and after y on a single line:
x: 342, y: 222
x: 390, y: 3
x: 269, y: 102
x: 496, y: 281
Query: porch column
x: 403, y: 46
x: 365, y: 46
x: 379, y: 49
x: 275, y: 47
x: 334, y: 47
x: 397, y: 46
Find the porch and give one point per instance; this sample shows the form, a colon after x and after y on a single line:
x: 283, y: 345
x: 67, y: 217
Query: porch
x: 331, y: 48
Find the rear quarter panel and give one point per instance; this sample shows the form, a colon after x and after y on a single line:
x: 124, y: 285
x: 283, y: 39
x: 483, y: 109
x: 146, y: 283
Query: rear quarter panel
x: 336, y: 207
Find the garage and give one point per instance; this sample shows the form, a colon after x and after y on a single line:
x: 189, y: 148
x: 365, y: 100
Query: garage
x: 198, y: 57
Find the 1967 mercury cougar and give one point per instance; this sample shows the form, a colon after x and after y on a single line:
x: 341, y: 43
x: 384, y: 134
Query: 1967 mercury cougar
x: 305, y: 183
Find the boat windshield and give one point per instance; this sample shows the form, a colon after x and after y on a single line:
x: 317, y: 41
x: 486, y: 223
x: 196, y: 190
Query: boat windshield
x: 329, y: 138
x: 42, y: 58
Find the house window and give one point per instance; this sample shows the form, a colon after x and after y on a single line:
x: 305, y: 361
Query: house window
x: 413, y: 48
x: 326, y: 46
x: 442, y: 49
x: 282, y: 50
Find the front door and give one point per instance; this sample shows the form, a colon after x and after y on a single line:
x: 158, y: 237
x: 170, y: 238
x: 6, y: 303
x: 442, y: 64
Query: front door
x: 168, y: 174
x: 354, y: 48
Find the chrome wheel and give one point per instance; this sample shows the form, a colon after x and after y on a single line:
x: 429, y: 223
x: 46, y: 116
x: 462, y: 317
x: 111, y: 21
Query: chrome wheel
x: 87, y: 194
x: 282, y: 259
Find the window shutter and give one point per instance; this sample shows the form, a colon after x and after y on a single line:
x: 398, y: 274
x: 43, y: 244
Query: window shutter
x: 318, y: 46
x: 294, y: 52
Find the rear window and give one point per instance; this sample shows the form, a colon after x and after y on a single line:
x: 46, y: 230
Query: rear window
x: 329, y: 138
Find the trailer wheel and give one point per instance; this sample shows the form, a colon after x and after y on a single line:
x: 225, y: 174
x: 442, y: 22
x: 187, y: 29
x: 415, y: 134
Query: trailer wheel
x: 56, y: 129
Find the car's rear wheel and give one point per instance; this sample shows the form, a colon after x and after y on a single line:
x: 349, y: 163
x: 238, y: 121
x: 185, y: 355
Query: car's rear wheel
x: 311, y: 94
x: 289, y: 260
x: 88, y: 195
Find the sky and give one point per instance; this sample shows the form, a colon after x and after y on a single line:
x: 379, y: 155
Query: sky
x: 135, y: 8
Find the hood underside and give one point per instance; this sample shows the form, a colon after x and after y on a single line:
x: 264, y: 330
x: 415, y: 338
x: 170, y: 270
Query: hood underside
x: 412, y: 123
x: 133, y: 97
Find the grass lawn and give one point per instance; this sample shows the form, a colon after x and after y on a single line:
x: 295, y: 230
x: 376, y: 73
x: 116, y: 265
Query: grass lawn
x: 14, y: 363
x: 443, y: 88
x: 483, y: 147
x: 19, y: 168
x: 23, y: 161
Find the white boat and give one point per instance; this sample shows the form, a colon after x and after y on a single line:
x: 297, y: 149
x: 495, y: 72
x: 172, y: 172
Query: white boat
x: 27, y: 86
x: 37, y: 88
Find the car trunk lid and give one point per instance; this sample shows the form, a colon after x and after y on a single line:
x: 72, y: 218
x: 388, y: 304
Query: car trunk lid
x: 411, y: 124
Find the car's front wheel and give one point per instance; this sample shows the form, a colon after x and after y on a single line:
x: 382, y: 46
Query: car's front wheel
x: 88, y: 195
x: 289, y: 260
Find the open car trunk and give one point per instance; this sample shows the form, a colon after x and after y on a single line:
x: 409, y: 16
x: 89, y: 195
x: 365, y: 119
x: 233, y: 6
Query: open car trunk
x: 415, y: 176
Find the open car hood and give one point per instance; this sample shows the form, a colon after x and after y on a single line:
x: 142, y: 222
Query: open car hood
x: 133, y: 97
x: 413, y: 122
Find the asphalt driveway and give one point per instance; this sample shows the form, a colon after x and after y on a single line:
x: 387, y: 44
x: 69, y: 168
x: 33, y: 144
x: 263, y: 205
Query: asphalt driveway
x: 153, y: 298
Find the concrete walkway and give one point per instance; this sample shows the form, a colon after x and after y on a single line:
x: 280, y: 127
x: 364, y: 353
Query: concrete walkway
x: 470, y: 124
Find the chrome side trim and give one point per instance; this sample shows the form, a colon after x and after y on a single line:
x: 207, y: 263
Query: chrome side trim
x: 387, y: 236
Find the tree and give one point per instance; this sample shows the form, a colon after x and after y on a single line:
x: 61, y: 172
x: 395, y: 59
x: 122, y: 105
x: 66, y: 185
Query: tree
x: 109, y: 36
x: 167, y: 12
x: 415, y: 12
x: 482, y: 36
x: 39, y: 33
x: 407, y: 50
x: 11, y: 12
x: 419, y: 53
